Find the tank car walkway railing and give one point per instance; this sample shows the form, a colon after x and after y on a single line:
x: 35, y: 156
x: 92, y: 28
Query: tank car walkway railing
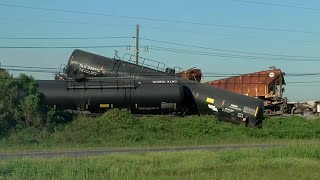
x: 99, y: 83
x: 145, y: 62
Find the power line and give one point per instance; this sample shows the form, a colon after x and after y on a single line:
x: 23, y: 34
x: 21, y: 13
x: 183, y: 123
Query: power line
x: 286, y: 74
x: 303, y: 82
x: 183, y: 30
x: 225, y: 50
x: 44, y: 21
x: 67, y: 38
x: 202, y: 53
x: 156, y: 19
x: 56, y: 22
x: 152, y: 40
x: 102, y: 24
x: 304, y: 74
x: 30, y: 70
x: 205, y: 74
x: 60, y: 47
x: 303, y: 85
x: 50, y: 70
x: 278, y: 5
x: 29, y: 67
x: 47, y: 71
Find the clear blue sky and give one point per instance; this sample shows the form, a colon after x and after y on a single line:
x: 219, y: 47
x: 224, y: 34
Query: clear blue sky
x: 301, y: 39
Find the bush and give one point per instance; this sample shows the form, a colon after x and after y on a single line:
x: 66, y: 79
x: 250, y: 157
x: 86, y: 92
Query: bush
x: 22, y: 105
x: 28, y: 136
x: 120, y: 128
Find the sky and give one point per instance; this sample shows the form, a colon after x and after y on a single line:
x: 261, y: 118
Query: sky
x: 217, y: 36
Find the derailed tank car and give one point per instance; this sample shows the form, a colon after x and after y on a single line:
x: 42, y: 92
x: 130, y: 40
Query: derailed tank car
x: 164, y: 95
x: 86, y: 64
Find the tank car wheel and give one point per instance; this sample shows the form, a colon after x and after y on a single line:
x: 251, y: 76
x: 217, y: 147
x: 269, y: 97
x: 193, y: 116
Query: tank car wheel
x: 182, y: 113
x: 267, y: 112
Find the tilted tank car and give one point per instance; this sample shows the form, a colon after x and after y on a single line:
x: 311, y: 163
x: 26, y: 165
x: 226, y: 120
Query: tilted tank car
x: 152, y: 96
x: 85, y: 64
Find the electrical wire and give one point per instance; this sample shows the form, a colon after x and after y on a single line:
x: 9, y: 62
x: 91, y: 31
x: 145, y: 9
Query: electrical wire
x: 303, y: 82
x: 202, y: 53
x: 62, y: 38
x: 36, y: 69
x: 60, y: 47
x: 261, y: 75
x: 205, y: 74
x: 222, y: 83
x: 59, y: 22
x: 152, y: 40
x: 225, y: 50
x: 30, y: 70
x: 29, y: 67
x: 278, y: 5
x: 155, y: 19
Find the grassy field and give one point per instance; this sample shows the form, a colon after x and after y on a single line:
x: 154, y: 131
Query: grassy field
x: 300, y: 160
x: 293, y: 162
x: 120, y: 129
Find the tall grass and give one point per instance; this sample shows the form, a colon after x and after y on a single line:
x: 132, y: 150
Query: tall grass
x: 119, y: 128
x: 293, y: 162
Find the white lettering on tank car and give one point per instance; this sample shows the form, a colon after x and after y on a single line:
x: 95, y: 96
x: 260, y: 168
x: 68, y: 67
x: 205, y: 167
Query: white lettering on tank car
x: 214, y: 108
x: 249, y: 110
x: 158, y: 82
x: 172, y: 81
x: 227, y: 110
x: 90, y: 69
x: 235, y: 107
x: 164, y: 81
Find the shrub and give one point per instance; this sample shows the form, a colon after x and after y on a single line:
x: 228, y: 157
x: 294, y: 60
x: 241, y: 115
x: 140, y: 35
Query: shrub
x: 22, y: 105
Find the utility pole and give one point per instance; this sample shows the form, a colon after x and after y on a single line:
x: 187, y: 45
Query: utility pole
x: 137, y: 44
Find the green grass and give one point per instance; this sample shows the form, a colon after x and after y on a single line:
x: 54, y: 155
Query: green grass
x: 118, y: 128
x: 293, y: 162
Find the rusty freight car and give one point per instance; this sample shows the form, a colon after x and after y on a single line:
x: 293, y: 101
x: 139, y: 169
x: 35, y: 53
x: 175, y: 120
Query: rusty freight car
x: 266, y: 85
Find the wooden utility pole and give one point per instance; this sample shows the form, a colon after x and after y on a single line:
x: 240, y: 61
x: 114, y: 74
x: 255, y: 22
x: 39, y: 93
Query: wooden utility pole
x: 137, y: 45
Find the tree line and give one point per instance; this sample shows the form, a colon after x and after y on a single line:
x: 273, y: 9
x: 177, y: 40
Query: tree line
x: 22, y: 105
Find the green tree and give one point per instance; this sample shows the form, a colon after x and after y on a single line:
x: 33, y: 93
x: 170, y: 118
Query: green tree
x: 21, y: 104
x: 6, y: 102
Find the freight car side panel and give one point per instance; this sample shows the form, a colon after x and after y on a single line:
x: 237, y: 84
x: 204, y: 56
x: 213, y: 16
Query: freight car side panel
x: 256, y: 84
